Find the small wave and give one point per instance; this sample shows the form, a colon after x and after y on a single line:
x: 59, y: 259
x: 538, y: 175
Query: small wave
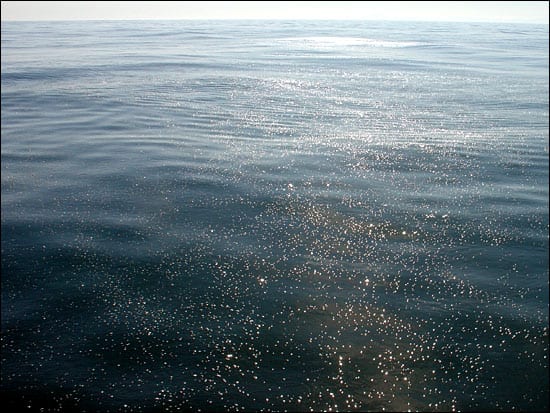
x: 337, y: 41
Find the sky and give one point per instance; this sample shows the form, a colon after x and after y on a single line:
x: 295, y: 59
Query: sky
x: 474, y: 11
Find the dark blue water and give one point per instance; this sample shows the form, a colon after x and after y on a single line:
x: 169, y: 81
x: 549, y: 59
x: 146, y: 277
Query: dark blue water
x: 274, y: 216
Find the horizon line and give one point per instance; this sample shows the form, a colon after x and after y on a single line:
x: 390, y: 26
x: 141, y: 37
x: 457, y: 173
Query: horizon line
x: 271, y: 19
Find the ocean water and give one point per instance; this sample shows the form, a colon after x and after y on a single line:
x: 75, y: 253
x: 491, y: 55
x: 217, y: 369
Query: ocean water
x: 290, y: 215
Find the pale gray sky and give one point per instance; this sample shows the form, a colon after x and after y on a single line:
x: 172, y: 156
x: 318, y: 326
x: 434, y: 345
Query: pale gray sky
x: 475, y: 11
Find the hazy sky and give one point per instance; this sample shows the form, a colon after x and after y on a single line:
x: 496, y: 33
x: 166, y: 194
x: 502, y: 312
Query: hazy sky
x: 493, y: 11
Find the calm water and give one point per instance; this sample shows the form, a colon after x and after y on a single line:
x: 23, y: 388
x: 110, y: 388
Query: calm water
x: 274, y: 216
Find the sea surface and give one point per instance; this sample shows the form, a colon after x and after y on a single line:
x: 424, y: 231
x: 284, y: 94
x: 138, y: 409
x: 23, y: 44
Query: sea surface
x: 274, y: 215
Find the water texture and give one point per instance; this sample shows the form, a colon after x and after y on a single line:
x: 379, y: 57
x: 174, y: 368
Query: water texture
x: 291, y: 215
